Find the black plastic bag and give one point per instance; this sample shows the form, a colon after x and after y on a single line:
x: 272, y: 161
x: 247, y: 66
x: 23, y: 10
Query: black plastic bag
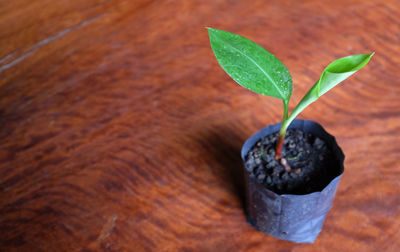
x: 296, y: 218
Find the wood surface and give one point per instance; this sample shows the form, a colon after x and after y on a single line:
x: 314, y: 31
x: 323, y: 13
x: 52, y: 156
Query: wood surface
x: 120, y: 132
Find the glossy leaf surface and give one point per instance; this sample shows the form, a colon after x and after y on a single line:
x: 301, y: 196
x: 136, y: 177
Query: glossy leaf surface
x: 250, y: 65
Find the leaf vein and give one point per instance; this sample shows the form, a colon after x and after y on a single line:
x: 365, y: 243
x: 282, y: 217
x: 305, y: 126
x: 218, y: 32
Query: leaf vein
x: 262, y: 70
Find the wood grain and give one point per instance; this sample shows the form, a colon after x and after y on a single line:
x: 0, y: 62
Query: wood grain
x: 120, y: 132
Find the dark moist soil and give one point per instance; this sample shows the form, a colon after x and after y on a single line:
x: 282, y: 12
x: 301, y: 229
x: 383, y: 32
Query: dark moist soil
x: 311, y: 163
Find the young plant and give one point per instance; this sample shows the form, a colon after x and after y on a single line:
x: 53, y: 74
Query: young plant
x: 252, y: 67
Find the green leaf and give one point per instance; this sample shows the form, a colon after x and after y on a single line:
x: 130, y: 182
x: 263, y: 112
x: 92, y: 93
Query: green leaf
x: 250, y: 65
x: 334, y: 73
x: 339, y: 70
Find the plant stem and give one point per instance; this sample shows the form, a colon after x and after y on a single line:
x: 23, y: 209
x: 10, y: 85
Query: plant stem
x: 310, y: 97
x: 285, y: 111
x: 282, y: 132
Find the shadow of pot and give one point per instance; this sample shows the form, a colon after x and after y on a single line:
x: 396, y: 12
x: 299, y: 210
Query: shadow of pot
x: 291, y: 217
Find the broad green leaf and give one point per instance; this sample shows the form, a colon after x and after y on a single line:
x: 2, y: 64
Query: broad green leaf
x: 250, y: 65
x: 334, y: 73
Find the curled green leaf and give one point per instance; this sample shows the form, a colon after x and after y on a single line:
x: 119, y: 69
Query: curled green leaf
x: 341, y: 69
x: 334, y: 73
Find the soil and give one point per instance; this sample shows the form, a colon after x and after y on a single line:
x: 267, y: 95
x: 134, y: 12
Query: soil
x: 310, y: 163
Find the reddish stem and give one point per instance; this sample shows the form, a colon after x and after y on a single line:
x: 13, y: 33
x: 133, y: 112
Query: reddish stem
x: 279, y: 145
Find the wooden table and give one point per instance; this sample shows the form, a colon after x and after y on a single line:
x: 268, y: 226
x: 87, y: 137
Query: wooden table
x: 120, y: 132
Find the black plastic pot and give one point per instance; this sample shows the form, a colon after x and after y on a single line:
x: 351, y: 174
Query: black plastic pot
x: 296, y: 218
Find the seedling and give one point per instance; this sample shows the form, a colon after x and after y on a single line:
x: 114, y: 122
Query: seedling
x: 252, y: 67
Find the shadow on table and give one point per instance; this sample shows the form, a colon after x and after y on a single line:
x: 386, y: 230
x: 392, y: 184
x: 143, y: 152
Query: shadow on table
x: 224, y: 147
